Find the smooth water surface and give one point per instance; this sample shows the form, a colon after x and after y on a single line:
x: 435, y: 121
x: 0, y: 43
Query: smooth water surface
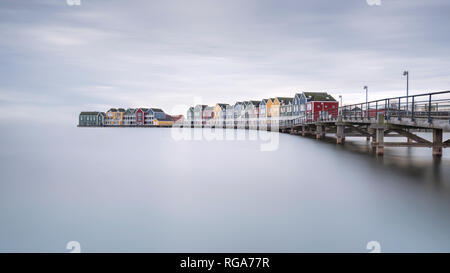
x: 139, y: 190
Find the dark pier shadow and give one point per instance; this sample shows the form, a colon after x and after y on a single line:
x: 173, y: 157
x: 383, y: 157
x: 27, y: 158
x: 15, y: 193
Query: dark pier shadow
x: 428, y: 170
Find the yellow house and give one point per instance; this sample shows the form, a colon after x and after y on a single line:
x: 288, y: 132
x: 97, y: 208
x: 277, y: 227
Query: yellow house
x: 275, y: 108
x: 165, y: 122
x: 269, y: 107
x: 219, y: 110
x: 114, y: 116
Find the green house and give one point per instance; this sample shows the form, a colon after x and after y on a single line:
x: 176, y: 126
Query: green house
x: 92, y: 119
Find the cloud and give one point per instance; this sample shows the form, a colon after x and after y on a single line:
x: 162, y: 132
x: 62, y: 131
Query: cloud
x: 165, y: 53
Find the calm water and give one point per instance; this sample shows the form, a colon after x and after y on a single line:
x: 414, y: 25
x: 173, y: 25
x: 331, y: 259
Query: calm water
x: 139, y: 190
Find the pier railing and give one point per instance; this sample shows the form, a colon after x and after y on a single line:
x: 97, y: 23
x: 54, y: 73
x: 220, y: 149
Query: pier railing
x: 425, y: 107
x: 429, y: 106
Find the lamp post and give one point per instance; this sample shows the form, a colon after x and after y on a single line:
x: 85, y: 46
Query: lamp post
x: 406, y: 73
x: 340, y: 99
x: 367, y: 98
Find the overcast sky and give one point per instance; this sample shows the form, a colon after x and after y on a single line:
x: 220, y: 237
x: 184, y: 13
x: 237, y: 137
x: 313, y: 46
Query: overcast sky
x: 57, y: 59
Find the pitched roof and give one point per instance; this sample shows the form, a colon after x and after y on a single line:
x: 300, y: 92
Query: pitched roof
x: 253, y: 102
x: 223, y: 105
x: 91, y: 113
x: 203, y: 106
x: 112, y: 110
x: 166, y: 118
x: 318, y: 96
x: 155, y: 110
x: 284, y: 100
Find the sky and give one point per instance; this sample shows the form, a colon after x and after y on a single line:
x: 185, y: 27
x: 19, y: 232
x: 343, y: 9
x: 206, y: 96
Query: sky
x: 59, y: 59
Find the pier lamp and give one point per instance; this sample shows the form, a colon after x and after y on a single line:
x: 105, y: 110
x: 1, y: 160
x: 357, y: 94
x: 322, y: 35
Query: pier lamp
x: 406, y: 73
x: 367, y: 97
x: 340, y: 99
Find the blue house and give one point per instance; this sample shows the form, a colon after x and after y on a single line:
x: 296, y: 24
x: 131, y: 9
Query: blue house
x: 263, y: 112
x: 238, y: 110
x: 296, y: 102
x: 154, y: 113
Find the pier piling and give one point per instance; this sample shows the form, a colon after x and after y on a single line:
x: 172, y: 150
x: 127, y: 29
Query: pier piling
x: 340, y: 136
x: 437, y: 142
x: 319, y: 132
x: 380, y: 134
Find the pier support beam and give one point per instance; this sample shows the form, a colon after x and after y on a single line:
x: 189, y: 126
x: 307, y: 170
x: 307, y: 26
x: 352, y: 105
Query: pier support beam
x: 340, y: 136
x: 303, y: 130
x: 380, y: 134
x: 380, y: 141
x: 373, y: 144
x: 437, y: 142
x: 319, y: 132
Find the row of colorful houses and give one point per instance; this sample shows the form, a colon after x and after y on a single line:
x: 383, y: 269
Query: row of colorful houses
x: 128, y: 117
x: 283, y: 110
x: 310, y: 105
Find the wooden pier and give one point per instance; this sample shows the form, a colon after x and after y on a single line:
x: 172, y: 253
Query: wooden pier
x: 374, y: 120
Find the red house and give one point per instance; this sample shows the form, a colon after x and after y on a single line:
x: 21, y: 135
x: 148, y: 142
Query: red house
x: 207, y: 114
x: 320, y: 105
x: 140, y: 116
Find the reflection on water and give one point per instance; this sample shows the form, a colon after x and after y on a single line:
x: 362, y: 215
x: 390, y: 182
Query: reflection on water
x: 414, y: 162
x: 140, y: 190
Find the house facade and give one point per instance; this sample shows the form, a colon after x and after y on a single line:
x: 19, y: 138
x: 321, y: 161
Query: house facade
x: 129, y: 117
x: 238, y: 113
x: 296, y: 105
x: 220, y: 114
x: 91, y: 119
x: 198, y: 115
x: 275, y: 109
x: 140, y: 116
x: 269, y: 106
x: 151, y: 114
x: 285, y: 115
x: 229, y: 116
x: 115, y: 117
x: 262, y: 119
x: 320, y: 105
x: 190, y: 116
x: 251, y: 113
x: 208, y: 115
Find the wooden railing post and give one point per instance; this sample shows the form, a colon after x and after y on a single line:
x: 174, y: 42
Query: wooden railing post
x: 429, y: 110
